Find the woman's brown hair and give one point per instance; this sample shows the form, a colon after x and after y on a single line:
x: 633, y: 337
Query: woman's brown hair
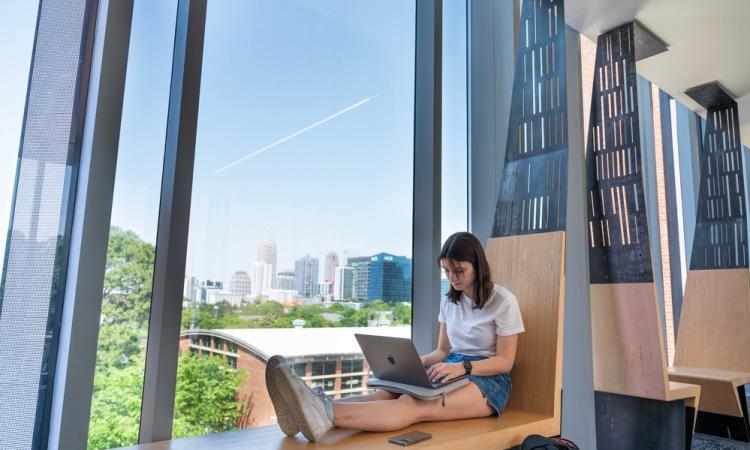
x: 463, y: 246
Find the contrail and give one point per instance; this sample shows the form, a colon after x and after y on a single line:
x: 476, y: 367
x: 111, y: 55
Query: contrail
x: 295, y: 134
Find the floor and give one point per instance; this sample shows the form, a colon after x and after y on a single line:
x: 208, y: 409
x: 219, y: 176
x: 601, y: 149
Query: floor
x: 706, y: 442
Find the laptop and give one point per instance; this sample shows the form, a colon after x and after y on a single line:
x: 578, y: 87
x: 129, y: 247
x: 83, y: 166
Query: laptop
x: 396, y: 365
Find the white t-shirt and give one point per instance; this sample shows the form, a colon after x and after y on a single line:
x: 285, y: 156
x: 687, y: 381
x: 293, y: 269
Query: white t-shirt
x: 474, y: 331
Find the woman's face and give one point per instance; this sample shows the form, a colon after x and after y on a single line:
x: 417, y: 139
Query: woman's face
x: 460, y: 273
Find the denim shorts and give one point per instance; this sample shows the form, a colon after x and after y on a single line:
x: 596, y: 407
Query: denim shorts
x: 495, y: 388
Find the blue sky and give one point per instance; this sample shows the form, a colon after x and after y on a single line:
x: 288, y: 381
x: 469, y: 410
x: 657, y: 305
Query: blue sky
x: 331, y: 82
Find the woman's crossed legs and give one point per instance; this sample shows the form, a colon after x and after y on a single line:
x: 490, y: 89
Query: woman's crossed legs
x: 313, y: 414
x: 385, y: 411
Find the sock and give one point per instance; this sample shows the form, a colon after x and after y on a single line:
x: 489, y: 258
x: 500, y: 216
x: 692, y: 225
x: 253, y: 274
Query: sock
x: 328, y: 403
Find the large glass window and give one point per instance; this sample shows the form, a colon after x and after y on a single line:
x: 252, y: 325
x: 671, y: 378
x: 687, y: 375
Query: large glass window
x: 32, y: 282
x: 120, y: 359
x: 301, y: 212
x: 17, y: 25
x: 454, y: 195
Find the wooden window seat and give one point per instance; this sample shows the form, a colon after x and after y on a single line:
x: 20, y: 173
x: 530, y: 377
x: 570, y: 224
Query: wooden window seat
x: 496, y: 433
x: 713, y: 348
x: 718, y: 388
x: 531, y: 267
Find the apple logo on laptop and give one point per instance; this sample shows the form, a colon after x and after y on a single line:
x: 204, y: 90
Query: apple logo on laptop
x: 391, y: 359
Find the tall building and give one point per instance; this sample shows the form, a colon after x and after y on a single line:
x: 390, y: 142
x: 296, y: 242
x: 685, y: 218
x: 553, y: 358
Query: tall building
x: 306, y: 276
x: 268, y: 253
x: 286, y: 280
x: 240, y: 284
x: 343, y: 284
x: 262, y: 279
x: 188, y: 287
x: 329, y: 269
x: 361, y: 281
x: 389, y: 278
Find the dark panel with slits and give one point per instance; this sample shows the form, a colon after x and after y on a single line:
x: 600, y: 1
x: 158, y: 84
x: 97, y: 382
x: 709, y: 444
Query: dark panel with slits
x: 617, y: 228
x: 532, y: 195
x: 721, y: 225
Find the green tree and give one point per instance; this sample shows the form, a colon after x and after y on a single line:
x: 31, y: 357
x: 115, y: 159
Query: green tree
x: 116, y: 406
x: 127, y: 279
x: 402, y: 314
x: 205, y: 400
x: 206, y: 397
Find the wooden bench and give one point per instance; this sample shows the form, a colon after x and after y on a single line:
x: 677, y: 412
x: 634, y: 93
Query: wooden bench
x: 531, y: 266
x: 713, y: 348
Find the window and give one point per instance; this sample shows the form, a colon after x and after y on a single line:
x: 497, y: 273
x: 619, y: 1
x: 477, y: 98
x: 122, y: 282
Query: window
x: 120, y: 363
x: 320, y: 368
x: 301, y: 210
x: 17, y: 23
x: 300, y: 369
x: 42, y: 179
x: 454, y: 194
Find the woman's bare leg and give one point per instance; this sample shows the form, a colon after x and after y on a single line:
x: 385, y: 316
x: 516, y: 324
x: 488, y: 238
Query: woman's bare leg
x: 377, y: 395
x: 389, y: 415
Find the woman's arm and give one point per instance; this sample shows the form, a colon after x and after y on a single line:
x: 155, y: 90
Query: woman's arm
x: 500, y: 363
x: 439, y: 354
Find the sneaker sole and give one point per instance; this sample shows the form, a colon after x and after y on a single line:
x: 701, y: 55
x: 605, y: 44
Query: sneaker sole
x: 283, y: 416
x: 296, y: 407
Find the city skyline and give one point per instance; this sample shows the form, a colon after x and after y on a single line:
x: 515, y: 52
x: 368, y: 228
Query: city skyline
x: 280, y: 268
x: 337, y: 286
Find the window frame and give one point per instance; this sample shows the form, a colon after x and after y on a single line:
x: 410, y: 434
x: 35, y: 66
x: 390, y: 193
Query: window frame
x: 79, y: 328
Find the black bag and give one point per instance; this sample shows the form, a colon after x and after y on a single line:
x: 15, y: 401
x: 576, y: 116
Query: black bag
x: 537, y: 442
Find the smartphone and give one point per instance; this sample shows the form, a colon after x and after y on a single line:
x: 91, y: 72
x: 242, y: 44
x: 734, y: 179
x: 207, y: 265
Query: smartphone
x: 409, y: 438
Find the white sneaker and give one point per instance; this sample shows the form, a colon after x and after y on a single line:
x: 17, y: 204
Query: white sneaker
x: 283, y: 416
x: 305, y: 406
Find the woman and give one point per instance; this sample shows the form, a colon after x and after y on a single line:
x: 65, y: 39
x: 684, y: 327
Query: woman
x: 479, y: 326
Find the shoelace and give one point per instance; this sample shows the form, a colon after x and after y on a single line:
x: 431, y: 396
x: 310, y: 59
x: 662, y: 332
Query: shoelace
x: 321, y: 393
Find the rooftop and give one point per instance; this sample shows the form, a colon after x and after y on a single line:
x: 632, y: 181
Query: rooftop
x: 289, y: 342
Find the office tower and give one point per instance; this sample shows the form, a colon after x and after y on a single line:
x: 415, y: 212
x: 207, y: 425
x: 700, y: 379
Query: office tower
x: 306, y: 275
x: 389, y: 278
x: 343, y: 285
x: 240, y: 284
x: 262, y: 279
x: 329, y: 270
x: 286, y: 280
x: 361, y: 268
x: 268, y: 253
x: 189, y: 286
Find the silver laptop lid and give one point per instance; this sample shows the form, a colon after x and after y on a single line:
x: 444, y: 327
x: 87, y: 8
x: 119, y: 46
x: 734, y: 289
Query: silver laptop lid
x: 394, y: 359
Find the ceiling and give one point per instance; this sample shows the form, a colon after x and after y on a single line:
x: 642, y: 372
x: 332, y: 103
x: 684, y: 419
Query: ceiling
x: 708, y: 40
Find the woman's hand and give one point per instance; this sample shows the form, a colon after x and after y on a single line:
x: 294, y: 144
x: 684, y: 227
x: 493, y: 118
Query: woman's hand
x: 444, y: 372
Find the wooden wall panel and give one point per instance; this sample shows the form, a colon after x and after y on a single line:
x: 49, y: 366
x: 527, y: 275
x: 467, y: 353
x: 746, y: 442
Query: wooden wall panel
x: 715, y: 322
x: 532, y: 267
x: 628, y: 344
